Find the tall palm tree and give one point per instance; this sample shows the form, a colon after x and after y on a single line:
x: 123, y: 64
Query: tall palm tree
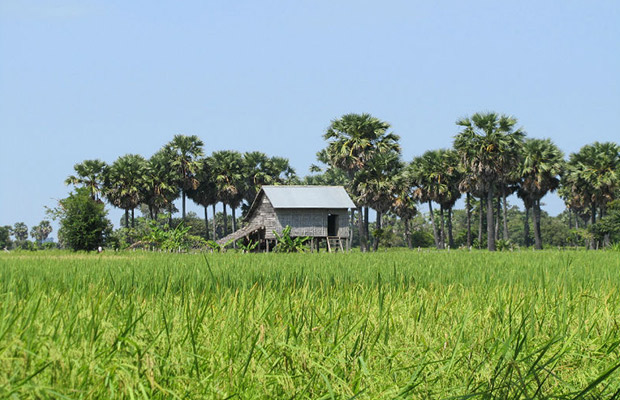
x: 450, y: 175
x: 185, y: 151
x: 123, y: 183
x: 205, y: 193
x: 352, y: 141
x: 404, y: 204
x: 41, y: 232
x: 437, y: 175
x: 377, y: 186
x: 259, y: 170
x: 256, y: 174
x: 160, y: 186
x: 490, y: 147
x: 89, y: 174
x: 422, y: 171
x: 227, y: 170
x: 542, y: 165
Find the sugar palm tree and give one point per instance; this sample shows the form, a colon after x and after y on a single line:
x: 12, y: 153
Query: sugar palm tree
x: 227, y: 170
x: 437, y: 175
x: 353, y: 140
x: 205, y: 193
x: 89, y: 174
x: 160, y: 186
x: 426, y: 187
x: 123, y: 183
x: 542, y: 165
x: 259, y: 170
x: 490, y: 147
x: 185, y: 151
x: 376, y: 185
x: 41, y: 232
x: 404, y: 204
x: 450, y: 174
x: 256, y: 174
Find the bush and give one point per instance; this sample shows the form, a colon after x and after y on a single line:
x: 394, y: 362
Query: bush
x: 83, y: 221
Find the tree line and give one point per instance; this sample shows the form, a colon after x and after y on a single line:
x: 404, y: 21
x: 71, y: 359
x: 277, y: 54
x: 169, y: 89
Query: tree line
x: 490, y: 159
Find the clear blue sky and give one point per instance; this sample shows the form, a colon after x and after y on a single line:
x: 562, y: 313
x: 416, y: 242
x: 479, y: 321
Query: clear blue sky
x: 82, y: 79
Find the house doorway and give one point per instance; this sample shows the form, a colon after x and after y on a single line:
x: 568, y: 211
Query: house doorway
x: 332, y: 225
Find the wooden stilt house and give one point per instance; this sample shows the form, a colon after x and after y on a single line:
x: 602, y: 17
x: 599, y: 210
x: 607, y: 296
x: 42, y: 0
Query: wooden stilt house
x: 320, y: 212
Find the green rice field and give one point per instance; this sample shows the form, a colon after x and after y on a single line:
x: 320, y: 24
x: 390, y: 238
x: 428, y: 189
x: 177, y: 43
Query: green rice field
x: 399, y: 324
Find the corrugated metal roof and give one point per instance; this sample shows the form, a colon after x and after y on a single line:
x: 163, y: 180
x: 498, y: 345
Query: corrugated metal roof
x: 308, y: 197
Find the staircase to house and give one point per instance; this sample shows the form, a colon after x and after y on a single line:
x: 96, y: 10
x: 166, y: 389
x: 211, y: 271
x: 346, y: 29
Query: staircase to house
x: 334, y: 243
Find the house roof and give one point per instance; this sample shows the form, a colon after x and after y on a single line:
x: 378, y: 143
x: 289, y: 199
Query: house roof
x: 308, y: 197
x: 303, y: 197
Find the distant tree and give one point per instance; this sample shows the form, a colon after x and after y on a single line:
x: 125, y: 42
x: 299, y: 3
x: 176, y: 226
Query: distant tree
x: 490, y: 148
x: 423, y: 172
x: 404, y: 204
x: 185, y: 151
x: 88, y: 174
x: 159, y: 187
x: 259, y: 170
x: 377, y: 186
x: 591, y: 179
x: 205, y: 193
x: 41, y: 232
x: 352, y: 141
x: 227, y: 170
x: 83, y: 221
x: 124, y: 182
x: 5, y: 237
x: 540, y: 170
x: 20, y: 231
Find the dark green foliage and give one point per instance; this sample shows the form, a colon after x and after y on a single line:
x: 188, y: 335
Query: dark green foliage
x: 5, y: 237
x: 171, y: 239
x: 609, y: 225
x: 20, y: 231
x: 41, y: 232
x: 83, y: 221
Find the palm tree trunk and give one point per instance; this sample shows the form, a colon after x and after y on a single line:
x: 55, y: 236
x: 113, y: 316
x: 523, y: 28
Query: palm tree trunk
x: 132, y: 218
x: 468, y: 205
x: 497, y: 217
x: 505, y: 213
x: 360, y: 229
x: 480, y: 222
x: 234, y: 219
x: 442, y: 240
x: 234, y: 224
x: 435, y: 236
x: 351, y: 223
x: 206, y: 224
x: 183, y: 204
x: 378, y: 228
x: 593, y: 208
x: 450, y: 237
x: 537, y: 238
x: 214, y: 227
x: 126, y: 218
x: 526, y: 227
x: 366, y: 227
x: 225, y: 221
x: 490, y: 222
x: 151, y: 211
x: 407, y: 233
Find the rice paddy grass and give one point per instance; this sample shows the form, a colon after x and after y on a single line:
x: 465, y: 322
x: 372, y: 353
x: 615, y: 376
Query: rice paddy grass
x: 388, y: 325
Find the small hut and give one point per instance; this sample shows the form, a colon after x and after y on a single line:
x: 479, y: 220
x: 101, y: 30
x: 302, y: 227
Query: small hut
x: 319, y: 212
